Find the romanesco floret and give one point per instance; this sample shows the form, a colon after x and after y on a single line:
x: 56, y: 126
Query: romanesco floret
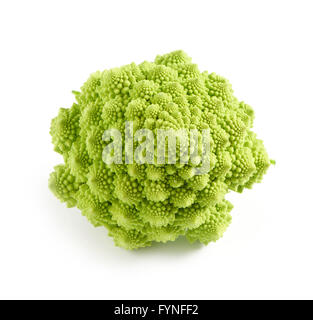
x: 146, y: 202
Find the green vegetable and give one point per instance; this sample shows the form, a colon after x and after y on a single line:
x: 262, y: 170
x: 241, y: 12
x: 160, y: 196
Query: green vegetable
x: 142, y: 203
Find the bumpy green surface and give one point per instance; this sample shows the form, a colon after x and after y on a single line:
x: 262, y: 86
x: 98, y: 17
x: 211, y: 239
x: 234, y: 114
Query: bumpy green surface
x: 140, y: 204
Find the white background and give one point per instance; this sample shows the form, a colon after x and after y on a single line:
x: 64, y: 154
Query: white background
x: 48, y: 48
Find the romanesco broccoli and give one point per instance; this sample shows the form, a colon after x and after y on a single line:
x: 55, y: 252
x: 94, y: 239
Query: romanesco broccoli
x: 140, y: 203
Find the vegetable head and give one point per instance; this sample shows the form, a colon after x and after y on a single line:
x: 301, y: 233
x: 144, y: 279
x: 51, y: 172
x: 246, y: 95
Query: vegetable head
x: 143, y: 201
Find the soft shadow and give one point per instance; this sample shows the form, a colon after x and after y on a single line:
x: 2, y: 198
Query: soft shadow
x: 179, y: 247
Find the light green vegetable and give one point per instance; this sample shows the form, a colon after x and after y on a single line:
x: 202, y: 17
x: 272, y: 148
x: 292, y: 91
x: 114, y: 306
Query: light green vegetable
x: 142, y: 203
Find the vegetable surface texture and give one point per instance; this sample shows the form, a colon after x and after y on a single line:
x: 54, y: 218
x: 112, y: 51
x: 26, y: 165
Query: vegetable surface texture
x: 145, y: 202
